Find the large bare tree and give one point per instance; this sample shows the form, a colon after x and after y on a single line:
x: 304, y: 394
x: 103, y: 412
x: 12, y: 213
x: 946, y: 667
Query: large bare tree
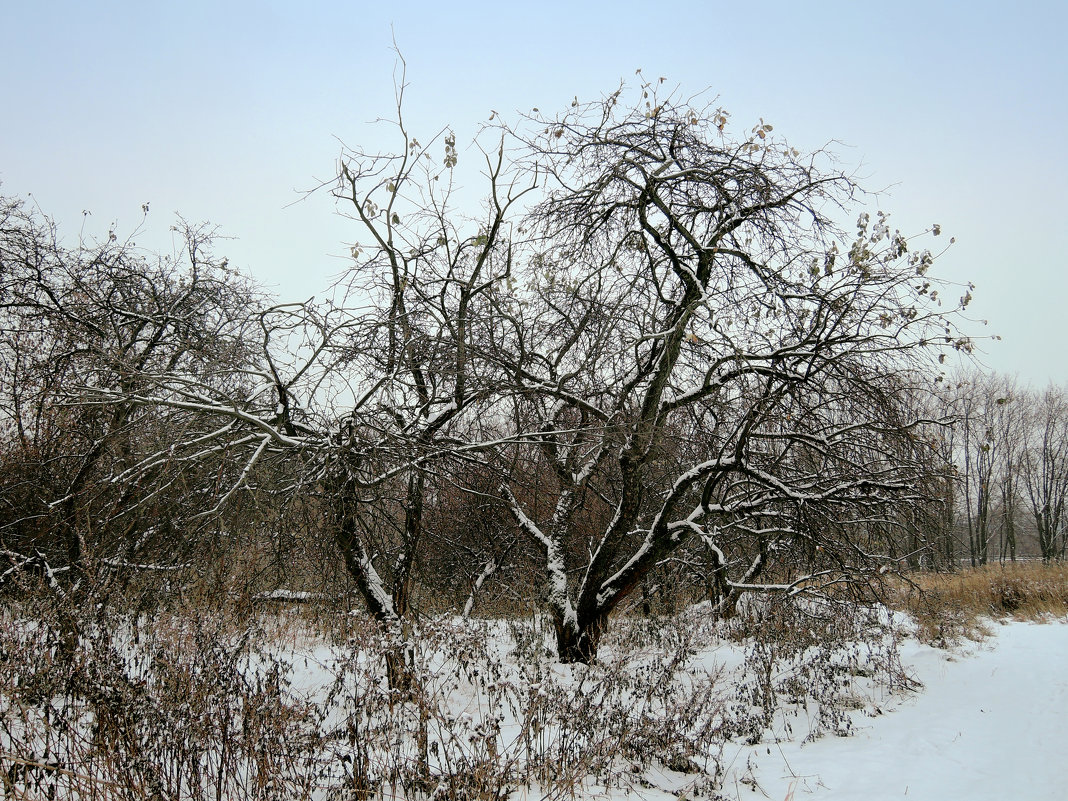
x: 691, y: 287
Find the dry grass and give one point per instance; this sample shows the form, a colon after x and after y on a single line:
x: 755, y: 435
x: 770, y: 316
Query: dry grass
x: 950, y: 605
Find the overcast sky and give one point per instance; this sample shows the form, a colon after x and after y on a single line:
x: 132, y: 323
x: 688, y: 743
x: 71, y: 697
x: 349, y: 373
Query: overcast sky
x: 228, y: 111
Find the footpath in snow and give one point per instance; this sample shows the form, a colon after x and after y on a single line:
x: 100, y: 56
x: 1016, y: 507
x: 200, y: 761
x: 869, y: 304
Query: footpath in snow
x: 990, y: 723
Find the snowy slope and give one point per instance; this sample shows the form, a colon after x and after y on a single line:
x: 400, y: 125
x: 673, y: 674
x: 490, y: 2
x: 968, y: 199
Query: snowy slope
x: 989, y: 724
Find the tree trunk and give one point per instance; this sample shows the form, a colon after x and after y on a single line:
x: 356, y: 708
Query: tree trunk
x: 949, y: 521
x: 380, y: 602
x: 577, y: 640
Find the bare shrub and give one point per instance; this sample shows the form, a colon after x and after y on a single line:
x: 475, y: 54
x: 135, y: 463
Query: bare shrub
x: 818, y: 656
x: 200, y: 702
x: 163, y: 708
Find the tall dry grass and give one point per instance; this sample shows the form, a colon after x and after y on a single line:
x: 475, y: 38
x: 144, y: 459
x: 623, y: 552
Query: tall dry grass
x: 950, y: 605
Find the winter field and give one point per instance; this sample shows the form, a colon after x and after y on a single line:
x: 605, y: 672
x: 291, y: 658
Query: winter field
x: 615, y: 462
x: 783, y: 702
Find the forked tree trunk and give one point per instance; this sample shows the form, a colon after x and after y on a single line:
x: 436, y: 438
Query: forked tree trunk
x: 577, y: 639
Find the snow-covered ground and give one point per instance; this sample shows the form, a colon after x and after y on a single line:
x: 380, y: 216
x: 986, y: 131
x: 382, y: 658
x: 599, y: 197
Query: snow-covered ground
x: 673, y: 711
x: 990, y: 723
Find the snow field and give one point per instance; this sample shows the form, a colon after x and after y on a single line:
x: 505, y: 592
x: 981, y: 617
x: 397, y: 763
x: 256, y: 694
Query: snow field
x: 991, y: 723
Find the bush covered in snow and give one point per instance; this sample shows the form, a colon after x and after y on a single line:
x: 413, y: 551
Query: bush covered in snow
x: 196, y: 703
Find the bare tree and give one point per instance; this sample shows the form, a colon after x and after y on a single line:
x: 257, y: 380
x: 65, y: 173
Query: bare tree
x: 432, y: 273
x: 361, y: 401
x: 77, y: 321
x: 688, y: 286
x: 945, y: 479
x: 1045, y: 470
x: 1011, y: 424
x: 990, y: 418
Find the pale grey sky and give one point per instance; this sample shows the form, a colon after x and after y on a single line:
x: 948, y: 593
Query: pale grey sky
x: 225, y: 111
